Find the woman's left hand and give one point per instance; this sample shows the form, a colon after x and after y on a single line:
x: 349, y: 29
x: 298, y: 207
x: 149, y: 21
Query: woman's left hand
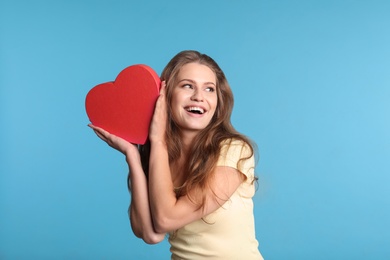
x: 158, y: 124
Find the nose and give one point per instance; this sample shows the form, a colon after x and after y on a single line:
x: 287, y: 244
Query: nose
x: 197, y: 96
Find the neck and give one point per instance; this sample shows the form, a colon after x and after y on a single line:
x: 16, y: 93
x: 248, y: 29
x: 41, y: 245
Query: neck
x: 187, y: 138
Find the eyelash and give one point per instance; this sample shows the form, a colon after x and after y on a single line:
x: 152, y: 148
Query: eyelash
x: 208, y: 89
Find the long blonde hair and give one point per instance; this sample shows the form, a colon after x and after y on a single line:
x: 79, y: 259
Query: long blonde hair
x: 206, y: 146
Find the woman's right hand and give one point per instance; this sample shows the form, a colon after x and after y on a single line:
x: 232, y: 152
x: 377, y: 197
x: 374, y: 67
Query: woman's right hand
x: 116, y: 142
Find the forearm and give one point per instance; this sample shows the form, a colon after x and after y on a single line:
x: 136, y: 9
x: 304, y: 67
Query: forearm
x: 140, y: 214
x: 161, y: 190
x: 170, y: 212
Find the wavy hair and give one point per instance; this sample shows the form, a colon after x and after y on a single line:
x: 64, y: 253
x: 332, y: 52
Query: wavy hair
x: 206, y: 146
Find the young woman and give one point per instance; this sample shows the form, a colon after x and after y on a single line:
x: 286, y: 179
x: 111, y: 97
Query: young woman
x: 195, y: 178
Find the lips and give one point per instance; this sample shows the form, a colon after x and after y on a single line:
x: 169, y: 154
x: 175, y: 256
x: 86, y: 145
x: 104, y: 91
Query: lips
x: 196, y: 110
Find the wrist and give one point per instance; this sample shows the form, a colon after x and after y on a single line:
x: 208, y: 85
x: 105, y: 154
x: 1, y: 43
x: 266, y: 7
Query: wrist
x: 158, y: 142
x: 132, y: 155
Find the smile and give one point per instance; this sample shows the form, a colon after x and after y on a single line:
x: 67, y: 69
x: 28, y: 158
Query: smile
x: 195, y: 110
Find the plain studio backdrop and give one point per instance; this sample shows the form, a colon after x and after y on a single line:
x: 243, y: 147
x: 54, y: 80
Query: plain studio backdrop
x: 311, y: 81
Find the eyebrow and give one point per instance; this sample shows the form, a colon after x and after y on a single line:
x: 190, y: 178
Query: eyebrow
x: 192, y: 81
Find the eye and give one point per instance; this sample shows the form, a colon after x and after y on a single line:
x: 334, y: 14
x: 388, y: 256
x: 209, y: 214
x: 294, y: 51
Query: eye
x: 210, y: 89
x: 187, y: 86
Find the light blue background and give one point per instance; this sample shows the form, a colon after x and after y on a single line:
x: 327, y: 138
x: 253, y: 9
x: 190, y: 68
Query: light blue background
x: 312, y: 86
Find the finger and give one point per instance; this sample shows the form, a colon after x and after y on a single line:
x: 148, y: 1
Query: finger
x: 163, y: 87
x: 101, y: 136
x: 100, y: 130
x: 163, y: 84
x: 91, y: 126
x: 95, y: 127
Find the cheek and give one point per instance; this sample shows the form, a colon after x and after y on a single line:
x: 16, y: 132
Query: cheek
x: 177, y: 97
x: 174, y: 109
x: 174, y: 102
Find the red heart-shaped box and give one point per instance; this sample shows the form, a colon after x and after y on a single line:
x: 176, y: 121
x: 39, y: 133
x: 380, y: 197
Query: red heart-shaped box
x: 125, y: 107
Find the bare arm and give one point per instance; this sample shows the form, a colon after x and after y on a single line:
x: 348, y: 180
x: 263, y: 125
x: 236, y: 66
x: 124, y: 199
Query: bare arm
x: 171, y: 213
x: 140, y: 215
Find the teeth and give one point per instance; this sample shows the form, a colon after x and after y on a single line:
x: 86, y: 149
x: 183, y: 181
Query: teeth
x: 195, y: 109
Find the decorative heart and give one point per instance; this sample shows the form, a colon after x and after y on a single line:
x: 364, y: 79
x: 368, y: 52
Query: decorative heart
x: 125, y: 107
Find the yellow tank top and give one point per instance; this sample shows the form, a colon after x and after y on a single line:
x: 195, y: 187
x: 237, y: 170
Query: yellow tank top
x: 229, y: 232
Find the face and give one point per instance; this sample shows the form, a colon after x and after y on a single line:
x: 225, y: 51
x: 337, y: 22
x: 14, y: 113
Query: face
x: 194, y: 97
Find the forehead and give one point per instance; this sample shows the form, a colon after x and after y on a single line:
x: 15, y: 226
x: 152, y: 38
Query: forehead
x: 197, y: 72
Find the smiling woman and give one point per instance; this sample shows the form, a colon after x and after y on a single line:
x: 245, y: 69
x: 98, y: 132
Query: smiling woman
x: 194, y: 98
x: 199, y: 179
